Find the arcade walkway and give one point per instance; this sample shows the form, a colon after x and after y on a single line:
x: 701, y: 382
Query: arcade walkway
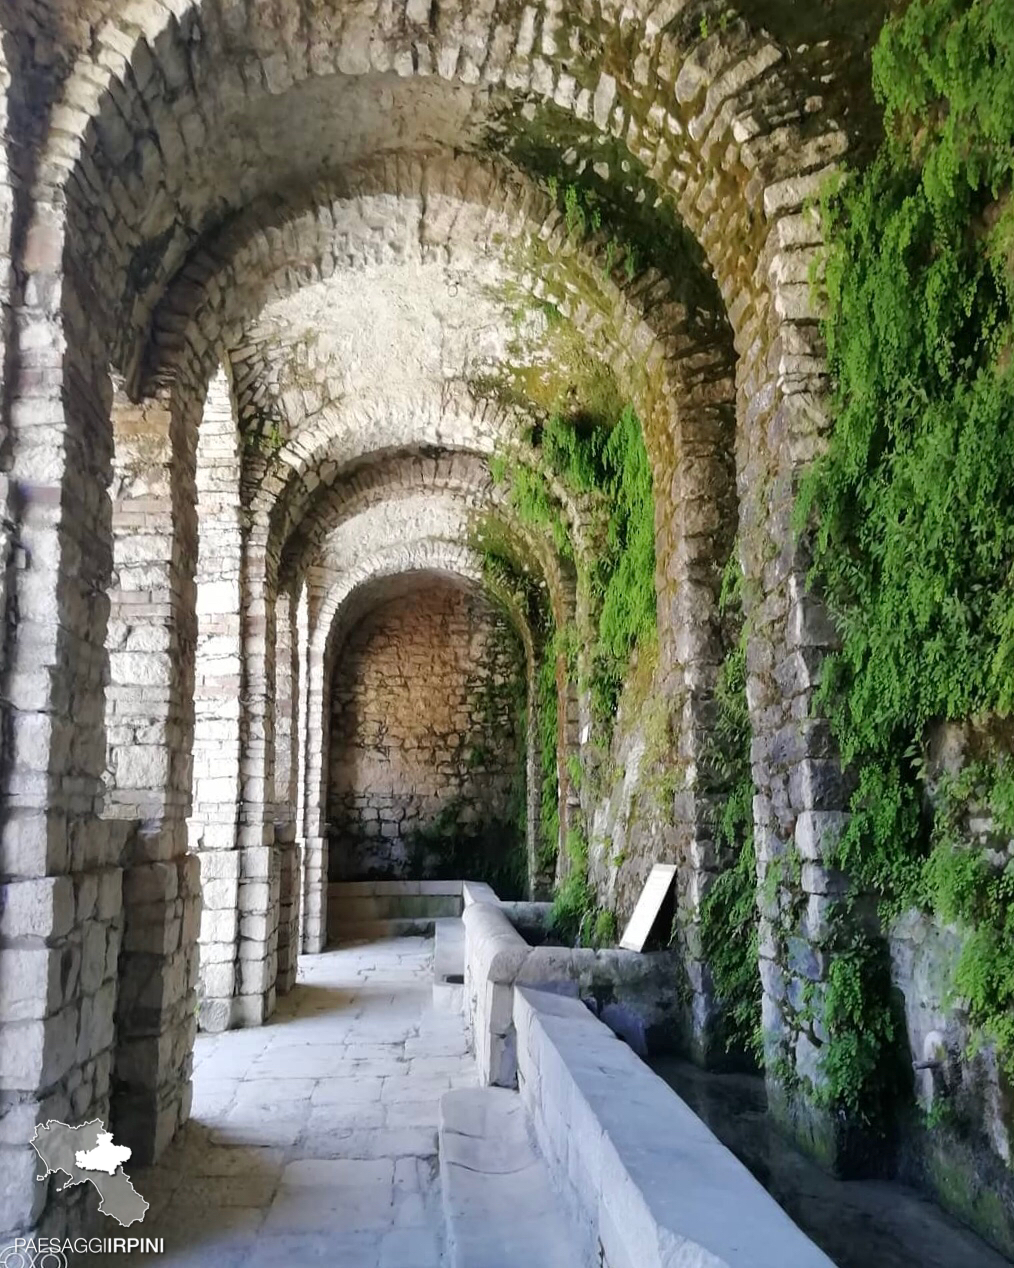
x: 313, y: 1139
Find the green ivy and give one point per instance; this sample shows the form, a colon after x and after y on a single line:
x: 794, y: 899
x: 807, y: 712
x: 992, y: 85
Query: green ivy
x: 609, y: 464
x: 913, y: 503
x: 574, y: 902
x: 625, y: 577
x: 861, y: 1065
x: 963, y: 885
x: 729, y: 908
x: 549, y: 798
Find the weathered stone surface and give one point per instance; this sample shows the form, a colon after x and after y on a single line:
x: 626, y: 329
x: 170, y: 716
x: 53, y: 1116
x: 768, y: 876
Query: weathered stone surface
x: 426, y: 751
x: 253, y: 370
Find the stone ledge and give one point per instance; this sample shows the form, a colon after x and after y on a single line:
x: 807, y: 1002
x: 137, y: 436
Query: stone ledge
x: 478, y: 892
x: 449, y: 965
x: 640, y: 999
x: 378, y: 889
x: 634, y: 1161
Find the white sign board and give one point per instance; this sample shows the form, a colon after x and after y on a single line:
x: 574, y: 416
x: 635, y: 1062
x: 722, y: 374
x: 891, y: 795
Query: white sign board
x: 652, y: 899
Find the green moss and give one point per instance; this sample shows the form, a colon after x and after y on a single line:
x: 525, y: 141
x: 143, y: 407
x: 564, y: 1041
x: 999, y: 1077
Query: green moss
x: 606, y: 194
x: 729, y: 909
x: 447, y: 848
x: 563, y: 376
x: 604, y: 933
x: 965, y: 886
x: 913, y: 504
x: 267, y: 441
x: 572, y: 904
x: 548, y: 724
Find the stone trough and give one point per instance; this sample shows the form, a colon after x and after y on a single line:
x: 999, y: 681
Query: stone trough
x: 617, y: 1170
x: 637, y: 995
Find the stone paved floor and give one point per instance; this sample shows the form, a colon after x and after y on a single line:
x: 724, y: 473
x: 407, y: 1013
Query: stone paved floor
x: 313, y: 1139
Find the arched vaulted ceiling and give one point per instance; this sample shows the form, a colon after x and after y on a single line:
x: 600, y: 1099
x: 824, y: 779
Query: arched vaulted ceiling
x: 352, y: 208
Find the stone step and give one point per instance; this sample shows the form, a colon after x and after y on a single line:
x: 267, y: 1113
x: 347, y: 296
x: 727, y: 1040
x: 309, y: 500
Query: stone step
x: 358, y: 909
x: 500, y: 1205
x: 449, y: 965
x: 393, y: 907
x: 376, y: 930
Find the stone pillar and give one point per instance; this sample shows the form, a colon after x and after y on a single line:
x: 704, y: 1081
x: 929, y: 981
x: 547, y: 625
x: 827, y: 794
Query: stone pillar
x: 287, y: 678
x: 260, y: 870
x: 303, y: 659
x: 317, y: 726
x: 216, y: 786
x: 149, y: 725
x: 802, y: 797
x: 695, y: 529
x: 60, y: 900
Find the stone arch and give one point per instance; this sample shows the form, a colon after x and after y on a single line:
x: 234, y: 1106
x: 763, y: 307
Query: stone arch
x: 455, y: 473
x: 336, y: 603
x: 663, y: 351
x: 327, y: 587
x: 674, y: 361
x: 465, y: 477
x: 733, y: 99
x: 734, y: 91
x: 324, y: 602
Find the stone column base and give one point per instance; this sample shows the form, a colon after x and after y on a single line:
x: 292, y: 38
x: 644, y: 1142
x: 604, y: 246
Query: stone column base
x: 156, y: 1004
x: 314, y: 895
x: 288, y: 918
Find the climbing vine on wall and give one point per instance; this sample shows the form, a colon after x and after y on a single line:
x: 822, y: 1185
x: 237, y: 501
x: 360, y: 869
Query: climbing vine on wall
x: 549, y: 794
x: 914, y: 503
x: 508, y: 575
x: 604, y: 467
x: 609, y: 464
x: 729, y: 908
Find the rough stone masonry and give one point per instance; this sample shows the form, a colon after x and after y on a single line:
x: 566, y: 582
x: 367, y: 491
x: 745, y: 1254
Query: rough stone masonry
x: 281, y: 289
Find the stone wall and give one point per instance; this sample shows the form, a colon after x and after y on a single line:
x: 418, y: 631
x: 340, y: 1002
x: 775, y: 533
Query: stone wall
x: 174, y: 197
x: 426, y: 756
x: 957, y: 1136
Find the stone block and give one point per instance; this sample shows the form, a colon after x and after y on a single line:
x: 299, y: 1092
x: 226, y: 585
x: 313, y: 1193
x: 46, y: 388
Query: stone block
x: 87, y: 886
x: 21, y: 1198
x: 220, y: 895
x: 37, y: 1053
x: 30, y: 982
x: 219, y: 925
x: 153, y: 929
x: 219, y: 865
x: 33, y: 843
x: 254, y: 931
x: 110, y: 896
x: 214, y: 1015
x: 41, y: 908
x: 218, y: 980
x: 150, y: 883
x: 817, y: 785
x: 93, y: 957
x: 817, y: 833
x: 258, y: 862
x: 827, y: 881
x: 255, y: 976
